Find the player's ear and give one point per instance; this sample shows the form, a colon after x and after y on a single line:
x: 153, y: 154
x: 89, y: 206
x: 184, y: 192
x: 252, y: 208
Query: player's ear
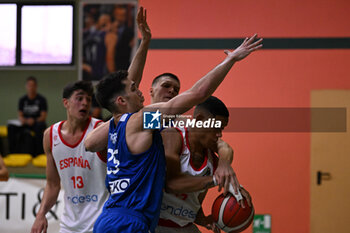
x: 65, y: 102
x: 120, y: 100
x: 199, y: 116
x: 151, y: 93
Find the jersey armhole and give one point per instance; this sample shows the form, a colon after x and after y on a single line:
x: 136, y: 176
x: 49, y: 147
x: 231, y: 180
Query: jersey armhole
x: 96, y: 123
x: 102, y: 158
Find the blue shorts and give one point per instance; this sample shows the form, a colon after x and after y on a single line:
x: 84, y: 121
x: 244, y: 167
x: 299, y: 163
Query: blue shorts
x: 120, y: 220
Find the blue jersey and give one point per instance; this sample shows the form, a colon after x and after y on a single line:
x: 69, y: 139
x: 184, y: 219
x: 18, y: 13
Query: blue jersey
x: 135, y: 181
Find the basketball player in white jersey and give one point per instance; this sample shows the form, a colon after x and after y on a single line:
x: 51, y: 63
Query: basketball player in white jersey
x: 190, y: 151
x: 81, y: 173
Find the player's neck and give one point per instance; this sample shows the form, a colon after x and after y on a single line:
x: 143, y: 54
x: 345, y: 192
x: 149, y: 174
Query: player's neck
x: 73, y: 126
x: 116, y: 117
x: 194, y: 142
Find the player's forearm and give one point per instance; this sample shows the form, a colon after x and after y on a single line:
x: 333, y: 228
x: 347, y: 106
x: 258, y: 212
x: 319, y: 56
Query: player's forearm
x: 209, y: 83
x: 200, y: 91
x: 188, y: 184
x: 225, y: 153
x: 49, y: 198
x: 97, y: 140
x: 138, y: 62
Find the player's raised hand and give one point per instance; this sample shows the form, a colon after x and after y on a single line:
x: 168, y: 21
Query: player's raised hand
x: 141, y: 19
x: 248, y: 46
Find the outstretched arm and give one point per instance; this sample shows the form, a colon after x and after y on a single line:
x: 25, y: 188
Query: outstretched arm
x: 140, y: 140
x: 52, y: 188
x: 138, y: 62
x: 177, y: 182
x: 97, y: 139
x: 203, y: 88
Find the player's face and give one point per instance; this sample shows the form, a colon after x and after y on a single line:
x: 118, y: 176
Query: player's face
x: 165, y: 89
x: 211, y: 136
x: 133, y: 96
x: 78, y: 105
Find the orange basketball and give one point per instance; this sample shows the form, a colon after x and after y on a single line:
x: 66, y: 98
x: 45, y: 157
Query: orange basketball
x: 229, y: 215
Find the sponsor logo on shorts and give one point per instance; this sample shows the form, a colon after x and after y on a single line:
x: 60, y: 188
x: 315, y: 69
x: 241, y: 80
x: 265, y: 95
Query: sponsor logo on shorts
x: 119, y: 186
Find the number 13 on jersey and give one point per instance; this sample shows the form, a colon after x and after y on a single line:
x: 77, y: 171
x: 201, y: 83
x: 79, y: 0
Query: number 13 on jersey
x: 77, y: 182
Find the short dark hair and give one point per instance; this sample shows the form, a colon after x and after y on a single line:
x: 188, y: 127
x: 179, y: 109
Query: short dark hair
x: 214, y: 106
x: 156, y: 79
x: 78, y: 85
x: 109, y: 87
x: 32, y: 78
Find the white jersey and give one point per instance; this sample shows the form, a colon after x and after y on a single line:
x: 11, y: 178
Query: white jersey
x: 82, y: 175
x: 182, y: 208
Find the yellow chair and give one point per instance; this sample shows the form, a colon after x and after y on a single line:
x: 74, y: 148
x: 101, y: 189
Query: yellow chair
x: 39, y: 161
x: 3, y: 131
x: 17, y: 160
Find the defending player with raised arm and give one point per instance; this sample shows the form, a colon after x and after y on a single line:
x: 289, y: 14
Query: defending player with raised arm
x: 136, y: 161
x: 191, y: 164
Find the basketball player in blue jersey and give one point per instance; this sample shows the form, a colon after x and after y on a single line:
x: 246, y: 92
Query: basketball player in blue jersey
x: 136, y: 162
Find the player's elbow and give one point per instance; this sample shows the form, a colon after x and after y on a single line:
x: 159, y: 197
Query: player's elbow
x: 89, y: 144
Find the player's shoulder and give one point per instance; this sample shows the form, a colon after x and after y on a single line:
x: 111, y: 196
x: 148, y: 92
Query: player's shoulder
x: 96, y: 122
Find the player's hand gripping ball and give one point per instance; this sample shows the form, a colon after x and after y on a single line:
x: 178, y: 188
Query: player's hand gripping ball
x: 229, y: 214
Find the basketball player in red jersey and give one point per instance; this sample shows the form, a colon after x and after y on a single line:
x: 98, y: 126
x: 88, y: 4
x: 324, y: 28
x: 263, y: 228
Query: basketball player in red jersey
x: 190, y: 151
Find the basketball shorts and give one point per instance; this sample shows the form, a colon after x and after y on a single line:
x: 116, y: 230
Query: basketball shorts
x: 120, y: 220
